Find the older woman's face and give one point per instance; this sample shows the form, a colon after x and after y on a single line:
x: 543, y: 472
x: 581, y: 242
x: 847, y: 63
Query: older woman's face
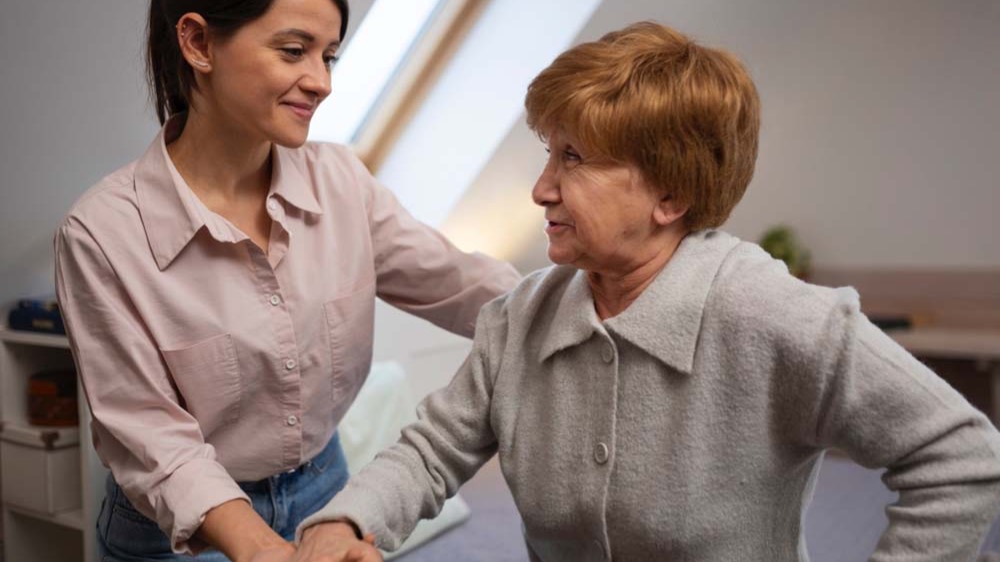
x: 599, y: 216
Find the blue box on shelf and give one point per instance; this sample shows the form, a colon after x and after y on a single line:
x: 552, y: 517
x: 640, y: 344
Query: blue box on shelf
x: 36, y: 315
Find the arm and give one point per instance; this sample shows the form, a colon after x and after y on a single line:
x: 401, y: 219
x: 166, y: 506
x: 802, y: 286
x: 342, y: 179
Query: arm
x: 421, y: 272
x: 152, y: 445
x: 845, y: 384
x: 943, y: 457
x: 450, y: 442
x: 239, y: 532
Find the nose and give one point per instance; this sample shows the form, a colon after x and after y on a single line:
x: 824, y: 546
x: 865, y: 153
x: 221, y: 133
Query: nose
x: 317, y: 79
x: 546, y: 190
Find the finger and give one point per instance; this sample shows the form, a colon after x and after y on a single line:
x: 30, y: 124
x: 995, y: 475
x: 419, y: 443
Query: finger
x: 370, y: 538
x: 363, y: 554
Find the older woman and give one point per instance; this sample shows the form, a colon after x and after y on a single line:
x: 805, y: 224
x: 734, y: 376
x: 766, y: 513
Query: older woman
x: 666, y: 391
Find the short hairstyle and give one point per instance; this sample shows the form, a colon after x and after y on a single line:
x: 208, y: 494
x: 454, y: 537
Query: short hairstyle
x: 685, y: 115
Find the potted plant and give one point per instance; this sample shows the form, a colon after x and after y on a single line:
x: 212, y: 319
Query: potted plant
x: 783, y: 244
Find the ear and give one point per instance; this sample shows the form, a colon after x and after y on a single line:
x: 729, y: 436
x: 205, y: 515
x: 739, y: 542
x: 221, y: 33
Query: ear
x: 668, y: 211
x: 192, y: 36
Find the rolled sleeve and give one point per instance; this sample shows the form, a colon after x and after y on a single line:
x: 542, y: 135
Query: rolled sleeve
x: 154, y: 448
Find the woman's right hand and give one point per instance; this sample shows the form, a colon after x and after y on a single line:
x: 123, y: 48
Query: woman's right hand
x: 335, y: 541
x: 280, y: 553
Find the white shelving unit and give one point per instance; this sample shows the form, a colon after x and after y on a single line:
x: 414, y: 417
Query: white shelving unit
x: 29, y: 536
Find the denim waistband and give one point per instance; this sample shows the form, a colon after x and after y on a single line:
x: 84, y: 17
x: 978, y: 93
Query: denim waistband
x: 321, y: 459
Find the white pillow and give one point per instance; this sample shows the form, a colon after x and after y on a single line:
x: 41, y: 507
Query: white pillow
x: 383, y: 407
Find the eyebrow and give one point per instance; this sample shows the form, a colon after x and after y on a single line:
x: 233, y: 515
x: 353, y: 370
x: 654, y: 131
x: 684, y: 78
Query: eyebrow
x: 304, y: 35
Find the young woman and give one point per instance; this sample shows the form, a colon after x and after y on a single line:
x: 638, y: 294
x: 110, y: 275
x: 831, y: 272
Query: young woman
x: 220, y: 290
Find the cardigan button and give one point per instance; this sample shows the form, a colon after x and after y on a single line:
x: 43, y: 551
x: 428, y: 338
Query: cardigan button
x: 608, y: 353
x: 601, y: 453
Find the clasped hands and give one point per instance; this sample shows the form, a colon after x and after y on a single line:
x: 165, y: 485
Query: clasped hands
x: 334, y: 541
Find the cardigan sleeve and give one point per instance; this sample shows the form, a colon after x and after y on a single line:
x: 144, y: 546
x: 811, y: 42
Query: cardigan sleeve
x: 448, y: 444
x: 942, y: 456
x: 843, y: 383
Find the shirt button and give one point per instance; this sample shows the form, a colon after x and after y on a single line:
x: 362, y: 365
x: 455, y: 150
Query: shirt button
x: 275, y: 300
x: 292, y: 420
x: 290, y: 364
x: 601, y: 453
x: 608, y: 353
x: 271, y: 205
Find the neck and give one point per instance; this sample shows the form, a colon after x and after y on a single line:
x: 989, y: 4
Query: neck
x: 220, y: 165
x: 614, y: 291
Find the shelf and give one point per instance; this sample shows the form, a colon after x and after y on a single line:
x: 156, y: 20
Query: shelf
x: 33, y: 435
x: 33, y: 338
x: 72, y: 519
x: 950, y: 342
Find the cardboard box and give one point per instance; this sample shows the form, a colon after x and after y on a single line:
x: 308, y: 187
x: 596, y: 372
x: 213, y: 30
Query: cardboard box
x: 41, y: 468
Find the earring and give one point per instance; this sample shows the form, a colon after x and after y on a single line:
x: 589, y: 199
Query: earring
x: 201, y: 63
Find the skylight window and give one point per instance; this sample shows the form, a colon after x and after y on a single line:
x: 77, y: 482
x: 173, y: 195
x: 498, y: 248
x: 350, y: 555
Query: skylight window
x: 368, y: 65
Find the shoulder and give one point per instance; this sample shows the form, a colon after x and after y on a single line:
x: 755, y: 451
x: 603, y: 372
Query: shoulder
x: 755, y: 292
x: 109, y: 206
x: 333, y: 170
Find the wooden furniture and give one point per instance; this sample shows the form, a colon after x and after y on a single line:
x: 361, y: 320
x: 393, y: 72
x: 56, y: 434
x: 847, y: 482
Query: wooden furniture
x: 30, y: 536
x: 980, y: 346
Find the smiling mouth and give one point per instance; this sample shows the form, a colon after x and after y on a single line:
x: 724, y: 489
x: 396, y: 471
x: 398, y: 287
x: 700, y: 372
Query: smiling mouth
x: 301, y: 110
x: 552, y: 227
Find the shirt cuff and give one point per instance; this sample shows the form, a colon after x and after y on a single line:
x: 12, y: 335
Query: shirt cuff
x: 191, y: 492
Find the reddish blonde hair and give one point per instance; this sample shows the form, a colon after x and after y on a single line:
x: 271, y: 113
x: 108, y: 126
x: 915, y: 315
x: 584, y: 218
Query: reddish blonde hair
x: 685, y: 115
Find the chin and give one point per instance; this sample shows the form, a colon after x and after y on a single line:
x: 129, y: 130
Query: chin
x: 289, y: 141
x: 288, y: 135
x: 559, y: 257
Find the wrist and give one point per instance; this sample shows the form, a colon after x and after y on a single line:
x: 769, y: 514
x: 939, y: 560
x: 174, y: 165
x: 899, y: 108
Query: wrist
x: 344, y: 528
x: 264, y: 544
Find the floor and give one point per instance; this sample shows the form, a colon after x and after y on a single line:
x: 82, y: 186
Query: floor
x: 843, y: 522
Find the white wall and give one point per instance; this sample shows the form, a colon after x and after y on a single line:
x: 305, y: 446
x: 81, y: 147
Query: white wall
x: 881, y: 130
x: 73, y: 109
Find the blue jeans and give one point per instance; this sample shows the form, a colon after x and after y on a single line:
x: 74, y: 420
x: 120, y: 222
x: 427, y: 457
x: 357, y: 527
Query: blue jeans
x: 283, y: 501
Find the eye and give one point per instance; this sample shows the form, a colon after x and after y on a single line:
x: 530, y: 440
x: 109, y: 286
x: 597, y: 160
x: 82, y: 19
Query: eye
x: 330, y: 60
x: 570, y: 155
x: 293, y: 52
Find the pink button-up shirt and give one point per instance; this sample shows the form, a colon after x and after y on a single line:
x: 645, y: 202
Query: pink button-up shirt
x: 206, y: 361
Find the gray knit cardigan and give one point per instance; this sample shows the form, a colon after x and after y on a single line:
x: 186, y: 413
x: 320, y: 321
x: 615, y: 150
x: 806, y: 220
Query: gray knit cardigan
x: 690, y: 426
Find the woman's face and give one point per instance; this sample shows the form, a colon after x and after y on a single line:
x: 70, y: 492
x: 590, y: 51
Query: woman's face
x: 267, y: 80
x: 599, y: 217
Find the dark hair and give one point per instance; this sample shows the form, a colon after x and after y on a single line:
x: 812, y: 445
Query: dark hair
x: 169, y: 76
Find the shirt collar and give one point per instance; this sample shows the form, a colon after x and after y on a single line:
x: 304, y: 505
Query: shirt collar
x: 665, y: 320
x: 172, y: 214
x: 288, y: 180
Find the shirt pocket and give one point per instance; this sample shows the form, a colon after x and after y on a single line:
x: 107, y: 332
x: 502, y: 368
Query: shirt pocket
x: 207, y: 375
x: 350, y: 322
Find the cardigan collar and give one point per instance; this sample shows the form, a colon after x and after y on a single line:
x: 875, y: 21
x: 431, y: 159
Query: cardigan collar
x: 172, y: 214
x: 665, y: 320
